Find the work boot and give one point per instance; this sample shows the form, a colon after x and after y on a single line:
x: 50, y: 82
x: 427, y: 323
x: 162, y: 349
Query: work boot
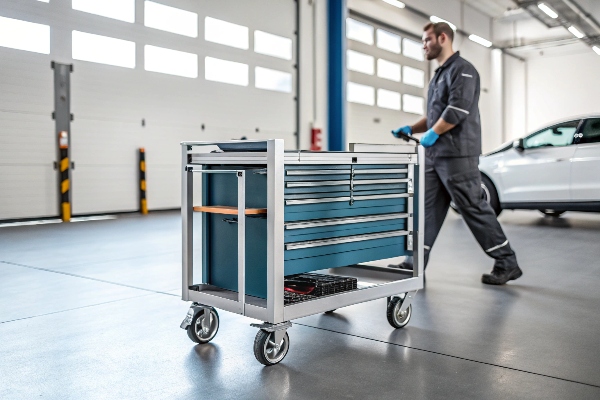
x: 501, y: 276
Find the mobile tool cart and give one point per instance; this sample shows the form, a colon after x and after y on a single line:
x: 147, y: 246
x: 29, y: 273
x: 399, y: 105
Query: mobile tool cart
x: 285, y: 234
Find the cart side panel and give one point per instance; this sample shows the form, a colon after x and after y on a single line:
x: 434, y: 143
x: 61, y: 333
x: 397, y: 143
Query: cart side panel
x: 221, y: 238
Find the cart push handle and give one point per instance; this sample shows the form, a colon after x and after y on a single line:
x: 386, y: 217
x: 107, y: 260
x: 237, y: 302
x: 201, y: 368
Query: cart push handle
x: 406, y: 137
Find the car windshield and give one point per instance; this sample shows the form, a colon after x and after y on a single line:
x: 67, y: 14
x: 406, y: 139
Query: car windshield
x: 558, y: 135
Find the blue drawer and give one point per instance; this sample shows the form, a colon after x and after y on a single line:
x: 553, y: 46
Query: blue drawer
x: 344, y: 209
x: 340, y: 248
x: 323, y: 232
x: 348, y: 258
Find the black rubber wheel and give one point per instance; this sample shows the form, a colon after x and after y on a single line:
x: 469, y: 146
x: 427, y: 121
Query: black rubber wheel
x: 394, y: 317
x: 488, y: 193
x: 552, y: 213
x: 199, y: 335
x: 266, y: 351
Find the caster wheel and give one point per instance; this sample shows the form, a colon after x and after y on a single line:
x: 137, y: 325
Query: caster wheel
x: 266, y: 351
x: 200, y: 335
x: 394, y: 317
x: 330, y: 311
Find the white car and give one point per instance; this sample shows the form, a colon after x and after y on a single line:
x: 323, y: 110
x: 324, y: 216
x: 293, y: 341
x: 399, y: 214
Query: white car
x: 554, y: 170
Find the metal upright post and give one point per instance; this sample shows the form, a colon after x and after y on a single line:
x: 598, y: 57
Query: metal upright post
x: 62, y: 117
x: 275, y: 240
x: 242, y: 241
x: 186, y: 223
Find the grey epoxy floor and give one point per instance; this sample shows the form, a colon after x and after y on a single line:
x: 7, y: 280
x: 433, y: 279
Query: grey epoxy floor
x: 92, y: 310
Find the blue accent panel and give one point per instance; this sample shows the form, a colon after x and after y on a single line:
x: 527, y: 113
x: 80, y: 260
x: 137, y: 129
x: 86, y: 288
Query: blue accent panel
x: 336, y: 35
x: 324, y: 232
x: 221, y: 237
x: 342, y: 248
x: 343, y: 259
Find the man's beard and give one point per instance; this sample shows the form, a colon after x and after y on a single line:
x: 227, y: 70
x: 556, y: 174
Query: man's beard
x: 434, y: 51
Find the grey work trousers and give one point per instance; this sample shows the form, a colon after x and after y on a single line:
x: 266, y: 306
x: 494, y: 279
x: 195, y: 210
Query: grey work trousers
x: 458, y: 179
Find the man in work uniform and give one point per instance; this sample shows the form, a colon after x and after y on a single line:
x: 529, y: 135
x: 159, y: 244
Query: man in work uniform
x: 453, y: 144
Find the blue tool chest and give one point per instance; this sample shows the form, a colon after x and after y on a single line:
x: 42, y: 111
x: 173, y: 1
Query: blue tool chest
x: 334, y: 216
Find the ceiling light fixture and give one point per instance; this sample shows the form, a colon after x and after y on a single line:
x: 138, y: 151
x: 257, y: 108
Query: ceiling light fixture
x: 596, y: 49
x: 576, y: 32
x: 549, y: 12
x: 435, y: 20
x: 480, y: 40
x: 395, y: 3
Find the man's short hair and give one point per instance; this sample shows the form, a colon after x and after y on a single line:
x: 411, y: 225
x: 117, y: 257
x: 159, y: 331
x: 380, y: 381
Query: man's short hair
x: 439, y: 28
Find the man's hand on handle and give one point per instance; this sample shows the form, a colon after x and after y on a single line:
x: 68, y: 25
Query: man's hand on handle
x: 407, y: 130
x: 429, y: 138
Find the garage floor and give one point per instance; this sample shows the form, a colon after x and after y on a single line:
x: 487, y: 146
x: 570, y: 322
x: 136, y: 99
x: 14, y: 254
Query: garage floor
x: 91, y: 310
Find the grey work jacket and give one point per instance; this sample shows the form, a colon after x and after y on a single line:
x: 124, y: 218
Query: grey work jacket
x: 454, y: 96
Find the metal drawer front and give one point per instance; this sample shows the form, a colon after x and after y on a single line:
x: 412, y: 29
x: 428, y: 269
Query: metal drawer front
x: 344, y: 182
x: 342, y: 221
x: 347, y: 239
x: 346, y: 171
x: 346, y: 198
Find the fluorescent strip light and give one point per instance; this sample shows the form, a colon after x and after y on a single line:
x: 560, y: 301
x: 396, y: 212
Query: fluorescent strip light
x: 435, y: 20
x: 480, y: 40
x: 549, y: 12
x: 576, y: 32
x: 395, y: 3
x: 596, y: 49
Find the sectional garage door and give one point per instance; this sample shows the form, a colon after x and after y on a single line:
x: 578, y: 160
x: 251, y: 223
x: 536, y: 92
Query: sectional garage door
x: 146, y: 74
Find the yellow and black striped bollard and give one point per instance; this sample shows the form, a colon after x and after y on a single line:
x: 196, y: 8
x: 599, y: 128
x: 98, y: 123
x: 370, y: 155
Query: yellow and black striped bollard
x: 143, y: 203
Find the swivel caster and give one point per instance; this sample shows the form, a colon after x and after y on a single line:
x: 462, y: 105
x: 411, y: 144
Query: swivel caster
x: 201, y: 331
x: 397, y: 318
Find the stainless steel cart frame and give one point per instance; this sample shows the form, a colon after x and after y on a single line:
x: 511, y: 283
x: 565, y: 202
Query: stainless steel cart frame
x: 383, y: 282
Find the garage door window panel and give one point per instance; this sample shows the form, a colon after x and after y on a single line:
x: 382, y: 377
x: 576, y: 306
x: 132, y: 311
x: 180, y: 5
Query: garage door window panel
x: 272, y: 45
x: 23, y: 35
x: 360, y: 62
x: 359, y: 31
x: 226, y: 33
x: 225, y: 71
x: 170, y: 19
x: 270, y: 79
x: 103, y: 50
x: 388, y: 70
x: 388, y: 41
x: 123, y: 10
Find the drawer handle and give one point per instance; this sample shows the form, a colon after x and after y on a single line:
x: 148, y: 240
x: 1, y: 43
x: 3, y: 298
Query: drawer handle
x: 347, y: 239
x: 342, y: 221
x: 344, y: 182
x: 345, y: 198
x: 345, y: 171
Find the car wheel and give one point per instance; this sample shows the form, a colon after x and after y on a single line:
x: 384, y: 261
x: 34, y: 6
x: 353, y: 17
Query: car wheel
x: 552, y: 213
x: 488, y: 193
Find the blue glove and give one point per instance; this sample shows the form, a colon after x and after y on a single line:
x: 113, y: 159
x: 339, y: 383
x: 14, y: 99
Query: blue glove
x: 429, y: 138
x: 407, y: 130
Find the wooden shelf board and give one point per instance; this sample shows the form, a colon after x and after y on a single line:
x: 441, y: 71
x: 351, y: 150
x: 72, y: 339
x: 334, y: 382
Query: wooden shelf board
x: 229, y: 210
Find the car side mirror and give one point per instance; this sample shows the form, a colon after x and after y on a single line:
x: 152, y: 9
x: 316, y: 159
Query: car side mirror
x: 518, y: 145
x: 555, y: 131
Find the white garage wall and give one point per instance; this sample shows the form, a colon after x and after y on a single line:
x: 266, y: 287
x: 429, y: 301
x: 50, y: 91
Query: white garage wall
x: 515, y: 98
x: 560, y: 87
